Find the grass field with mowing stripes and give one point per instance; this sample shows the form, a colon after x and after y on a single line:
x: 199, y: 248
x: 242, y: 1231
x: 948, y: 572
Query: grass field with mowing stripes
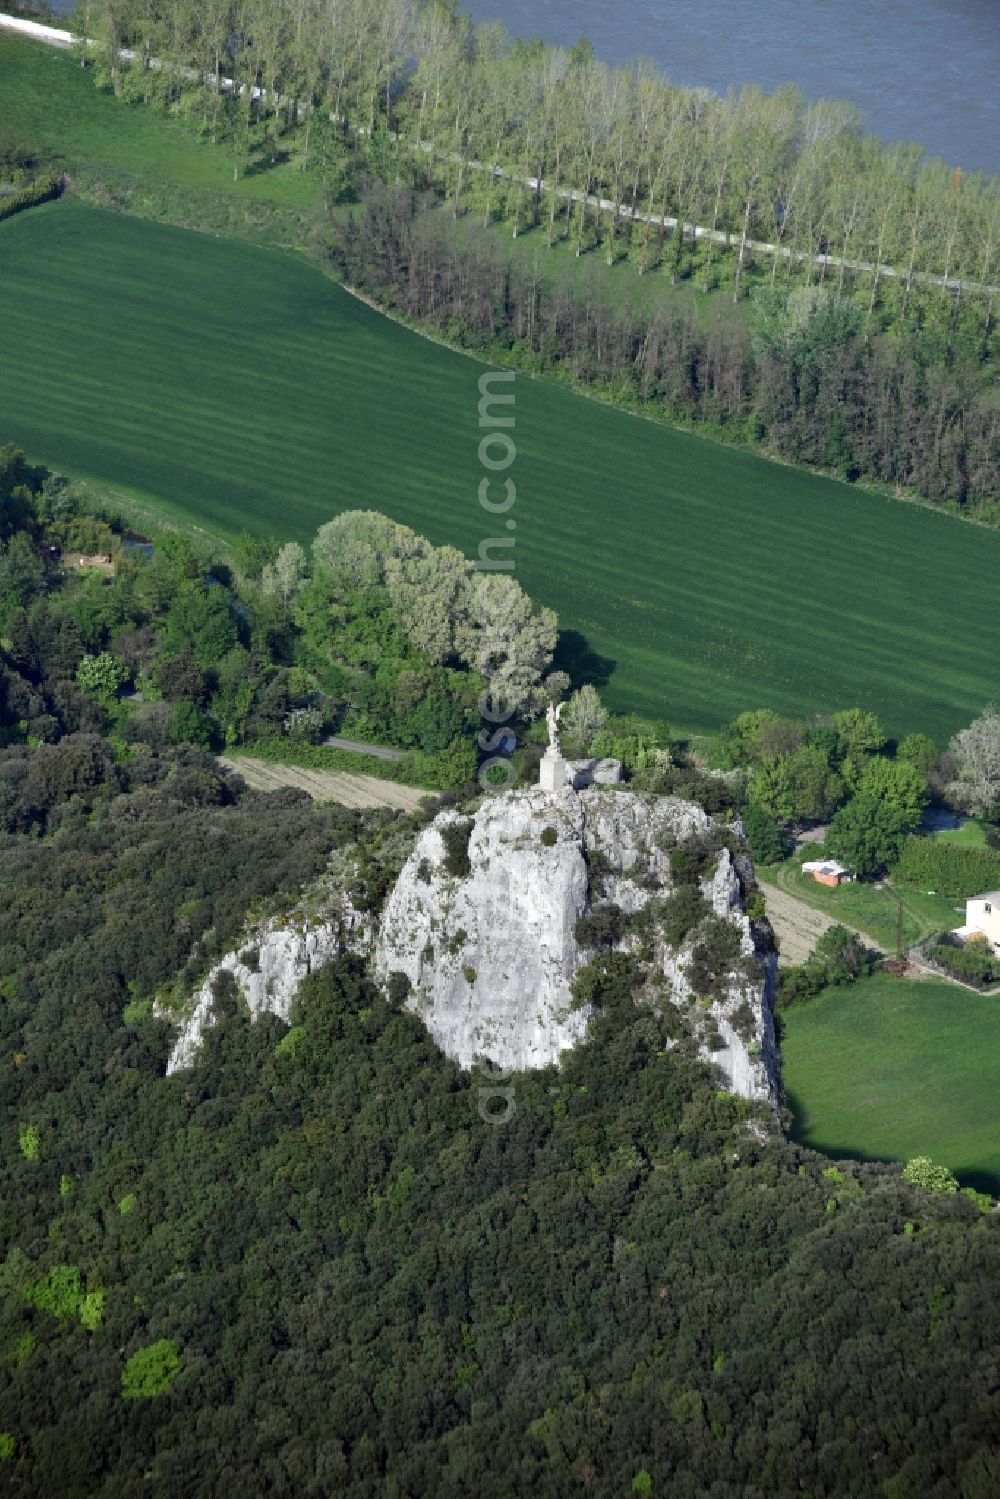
x: 234, y: 387
x: 888, y: 1069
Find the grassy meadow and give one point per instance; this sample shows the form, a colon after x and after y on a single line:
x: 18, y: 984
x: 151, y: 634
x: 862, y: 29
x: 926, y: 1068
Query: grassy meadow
x: 232, y: 386
x: 890, y: 1068
x: 48, y: 101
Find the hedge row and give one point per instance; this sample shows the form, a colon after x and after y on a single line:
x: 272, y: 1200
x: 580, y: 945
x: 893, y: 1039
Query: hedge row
x: 449, y: 770
x: 947, y: 867
x: 975, y: 963
x: 39, y: 191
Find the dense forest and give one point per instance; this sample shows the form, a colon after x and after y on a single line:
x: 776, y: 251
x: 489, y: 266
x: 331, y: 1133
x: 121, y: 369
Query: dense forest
x: 309, y: 1264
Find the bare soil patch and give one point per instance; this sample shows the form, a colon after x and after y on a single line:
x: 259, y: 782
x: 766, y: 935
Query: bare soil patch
x: 327, y: 785
x: 796, y: 925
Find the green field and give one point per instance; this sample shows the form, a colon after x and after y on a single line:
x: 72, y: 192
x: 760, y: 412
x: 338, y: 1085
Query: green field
x: 236, y: 387
x: 872, y: 909
x: 888, y: 1069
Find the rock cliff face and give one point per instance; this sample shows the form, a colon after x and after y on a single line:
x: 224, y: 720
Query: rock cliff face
x: 483, y: 922
x: 491, y: 952
x: 490, y: 956
x: 270, y: 964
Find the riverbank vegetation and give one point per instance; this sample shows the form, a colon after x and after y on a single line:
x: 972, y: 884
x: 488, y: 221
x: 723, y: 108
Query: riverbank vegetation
x: 513, y: 127
x: 801, y: 375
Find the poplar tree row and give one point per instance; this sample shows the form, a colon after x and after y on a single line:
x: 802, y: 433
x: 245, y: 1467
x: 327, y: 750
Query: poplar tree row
x: 535, y: 134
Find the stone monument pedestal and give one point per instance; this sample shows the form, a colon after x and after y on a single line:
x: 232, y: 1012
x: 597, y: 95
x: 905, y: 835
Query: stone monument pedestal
x: 554, y: 772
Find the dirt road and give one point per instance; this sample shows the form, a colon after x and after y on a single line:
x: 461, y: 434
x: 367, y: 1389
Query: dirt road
x: 378, y: 750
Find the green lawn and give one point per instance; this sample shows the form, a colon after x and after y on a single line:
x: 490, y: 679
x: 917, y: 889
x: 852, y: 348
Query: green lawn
x: 888, y: 1069
x: 49, y: 102
x: 871, y: 910
x: 236, y: 386
x: 971, y: 834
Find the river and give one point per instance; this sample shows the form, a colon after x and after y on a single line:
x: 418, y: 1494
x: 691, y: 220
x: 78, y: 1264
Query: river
x: 919, y: 70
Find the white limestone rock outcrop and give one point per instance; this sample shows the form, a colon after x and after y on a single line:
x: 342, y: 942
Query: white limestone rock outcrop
x: 271, y: 962
x: 491, y: 954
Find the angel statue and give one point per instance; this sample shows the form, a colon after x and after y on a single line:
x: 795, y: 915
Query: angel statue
x: 552, y: 713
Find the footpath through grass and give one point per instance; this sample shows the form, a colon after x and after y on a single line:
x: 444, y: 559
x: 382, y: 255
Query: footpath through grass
x: 233, y: 386
x: 872, y: 909
x: 891, y: 1068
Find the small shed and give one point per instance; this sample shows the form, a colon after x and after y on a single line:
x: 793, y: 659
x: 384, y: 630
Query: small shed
x: 827, y: 872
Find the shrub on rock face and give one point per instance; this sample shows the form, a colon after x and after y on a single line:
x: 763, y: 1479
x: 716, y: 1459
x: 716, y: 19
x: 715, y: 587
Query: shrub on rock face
x: 602, y: 927
x: 225, y: 994
x: 681, y: 912
x: 716, y: 956
x: 455, y: 836
x: 607, y: 983
x: 694, y: 859
x: 398, y: 988
x: 549, y: 837
x: 743, y: 1021
x: 458, y: 941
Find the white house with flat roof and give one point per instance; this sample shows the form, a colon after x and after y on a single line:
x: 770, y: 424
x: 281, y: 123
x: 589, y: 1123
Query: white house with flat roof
x: 982, y: 919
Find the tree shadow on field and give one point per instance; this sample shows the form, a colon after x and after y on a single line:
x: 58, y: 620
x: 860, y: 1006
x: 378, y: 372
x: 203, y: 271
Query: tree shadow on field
x: 574, y: 656
x: 262, y: 161
x: 982, y: 1180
